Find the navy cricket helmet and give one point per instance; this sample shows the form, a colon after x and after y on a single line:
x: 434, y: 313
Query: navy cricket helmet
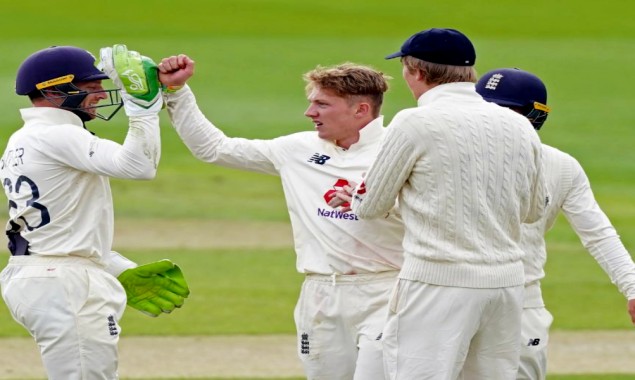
x: 53, y: 73
x: 517, y: 89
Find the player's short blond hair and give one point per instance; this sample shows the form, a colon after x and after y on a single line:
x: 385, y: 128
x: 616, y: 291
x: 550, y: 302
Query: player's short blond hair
x: 436, y: 73
x: 350, y: 81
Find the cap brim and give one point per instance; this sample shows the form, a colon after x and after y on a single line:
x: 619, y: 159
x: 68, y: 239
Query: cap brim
x: 502, y: 102
x: 395, y: 55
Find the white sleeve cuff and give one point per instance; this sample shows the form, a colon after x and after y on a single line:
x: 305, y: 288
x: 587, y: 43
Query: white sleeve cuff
x: 116, y: 263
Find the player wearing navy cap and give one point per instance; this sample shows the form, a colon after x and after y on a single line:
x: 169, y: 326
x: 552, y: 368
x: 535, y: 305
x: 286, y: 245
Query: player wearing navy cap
x: 467, y: 174
x: 570, y: 192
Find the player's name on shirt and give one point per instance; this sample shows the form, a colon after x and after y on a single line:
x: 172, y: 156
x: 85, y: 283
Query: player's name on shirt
x: 12, y: 157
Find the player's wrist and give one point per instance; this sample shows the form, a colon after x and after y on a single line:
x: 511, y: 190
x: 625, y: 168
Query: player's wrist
x: 171, y: 88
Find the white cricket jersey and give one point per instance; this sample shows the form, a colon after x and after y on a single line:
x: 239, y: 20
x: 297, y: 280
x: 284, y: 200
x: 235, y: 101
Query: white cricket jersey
x: 55, y: 175
x: 570, y: 192
x: 327, y: 241
x: 467, y: 173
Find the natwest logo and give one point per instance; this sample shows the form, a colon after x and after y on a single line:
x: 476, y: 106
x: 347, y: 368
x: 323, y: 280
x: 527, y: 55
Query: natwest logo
x: 339, y: 185
x: 336, y: 214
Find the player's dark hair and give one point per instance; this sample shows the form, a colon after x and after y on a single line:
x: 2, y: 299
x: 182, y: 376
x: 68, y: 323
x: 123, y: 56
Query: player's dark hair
x: 35, y: 95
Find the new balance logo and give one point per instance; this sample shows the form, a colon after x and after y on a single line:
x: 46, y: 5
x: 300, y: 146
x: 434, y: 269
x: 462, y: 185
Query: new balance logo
x: 492, y: 83
x: 319, y: 159
x: 304, y: 344
x: 112, y: 326
x: 533, y: 342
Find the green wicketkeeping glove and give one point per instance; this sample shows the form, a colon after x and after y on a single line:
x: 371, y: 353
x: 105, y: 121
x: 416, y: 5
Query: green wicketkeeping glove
x: 155, y: 288
x: 136, y: 76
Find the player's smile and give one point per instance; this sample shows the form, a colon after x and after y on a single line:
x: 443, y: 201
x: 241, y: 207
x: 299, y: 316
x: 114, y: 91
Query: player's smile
x: 96, y: 95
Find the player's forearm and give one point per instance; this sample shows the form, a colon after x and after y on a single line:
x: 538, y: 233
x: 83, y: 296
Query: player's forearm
x: 209, y: 144
x: 375, y: 198
x: 200, y: 136
x: 141, y: 151
x: 597, y: 234
x: 615, y: 260
x: 539, y: 193
x: 137, y: 158
x: 384, y: 179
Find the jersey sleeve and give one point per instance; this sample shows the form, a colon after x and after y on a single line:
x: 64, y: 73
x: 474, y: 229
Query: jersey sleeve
x: 117, y: 263
x: 211, y: 145
x: 377, y: 194
x: 539, y: 192
x: 597, y: 234
x: 136, y: 158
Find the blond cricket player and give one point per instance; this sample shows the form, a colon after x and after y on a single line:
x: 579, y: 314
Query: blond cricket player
x: 350, y: 265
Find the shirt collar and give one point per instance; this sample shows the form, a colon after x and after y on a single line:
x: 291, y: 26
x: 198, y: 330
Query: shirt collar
x: 49, y: 116
x: 369, y: 134
x: 449, y: 91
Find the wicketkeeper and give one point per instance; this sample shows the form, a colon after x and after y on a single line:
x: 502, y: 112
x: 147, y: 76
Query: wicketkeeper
x: 64, y: 283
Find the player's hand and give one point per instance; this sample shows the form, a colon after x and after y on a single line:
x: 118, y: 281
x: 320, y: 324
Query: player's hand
x: 137, y: 78
x: 174, y: 71
x: 631, y: 310
x: 155, y: 288
x: 343, y: 196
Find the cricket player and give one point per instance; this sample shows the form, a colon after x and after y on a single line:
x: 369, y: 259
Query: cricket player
x: 63, y: 282
x: 467, y: 175
x: 350, y: 265
x: 570, y: 192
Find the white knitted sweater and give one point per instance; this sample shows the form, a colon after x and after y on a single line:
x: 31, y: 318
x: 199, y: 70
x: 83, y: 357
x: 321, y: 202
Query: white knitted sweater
x: 467, y: 173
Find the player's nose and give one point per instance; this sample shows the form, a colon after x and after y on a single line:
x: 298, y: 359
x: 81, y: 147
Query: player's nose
x: 310, y: 111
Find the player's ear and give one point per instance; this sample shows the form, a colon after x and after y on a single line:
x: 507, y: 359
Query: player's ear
x: 363, y: 109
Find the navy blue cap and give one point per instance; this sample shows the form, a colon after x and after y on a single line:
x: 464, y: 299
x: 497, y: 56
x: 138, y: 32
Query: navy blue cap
x: 516, y: 88
x: 511, y: 87
x: 436, y: 45
x: 44, y: 67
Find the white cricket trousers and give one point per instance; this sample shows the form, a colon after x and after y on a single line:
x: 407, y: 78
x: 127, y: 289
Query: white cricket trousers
x: 446, y: 333
x: 533, y: 344
x: 339, y: 320
x: 72, y: 308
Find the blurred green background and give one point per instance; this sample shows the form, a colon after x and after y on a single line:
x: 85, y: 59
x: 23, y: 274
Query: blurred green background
x: 250, y: 56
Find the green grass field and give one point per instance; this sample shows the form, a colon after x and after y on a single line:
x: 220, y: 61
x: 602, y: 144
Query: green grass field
x: 554, y: 377
x: 250, y: 56
x: 564, y: 377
